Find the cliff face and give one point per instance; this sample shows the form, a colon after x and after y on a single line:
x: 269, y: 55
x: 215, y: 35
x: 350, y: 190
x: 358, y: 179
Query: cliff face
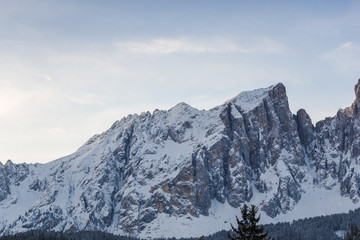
x: 336, y: 149
x: 176, y: 163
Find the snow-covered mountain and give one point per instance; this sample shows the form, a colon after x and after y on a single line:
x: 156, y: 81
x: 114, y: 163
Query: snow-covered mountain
x: 185, y: 172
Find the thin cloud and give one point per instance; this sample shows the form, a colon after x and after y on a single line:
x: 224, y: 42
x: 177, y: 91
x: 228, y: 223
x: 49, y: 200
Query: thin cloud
x: 12, y: 99
x: 47, y: 78
x: 84, y: 99
x: 170, y: 46
x: 346, y: 56
x: 167, y: 46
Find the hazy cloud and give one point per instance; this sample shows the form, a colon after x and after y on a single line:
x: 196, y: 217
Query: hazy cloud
x: 12, y: 99
x: 84, y: 99
x: 47, y: 78
x: 182, y: 45
x: 346, y: 56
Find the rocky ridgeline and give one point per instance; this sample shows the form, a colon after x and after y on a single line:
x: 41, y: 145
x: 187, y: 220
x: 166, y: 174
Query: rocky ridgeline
x: 177, y: 162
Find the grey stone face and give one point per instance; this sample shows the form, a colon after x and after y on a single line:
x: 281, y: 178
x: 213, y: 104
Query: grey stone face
x: 305, y: 127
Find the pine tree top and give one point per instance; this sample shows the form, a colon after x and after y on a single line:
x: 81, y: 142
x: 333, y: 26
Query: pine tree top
x: 247, y: 227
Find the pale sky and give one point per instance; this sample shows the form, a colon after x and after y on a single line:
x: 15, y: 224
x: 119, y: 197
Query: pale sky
x: 69, y: 69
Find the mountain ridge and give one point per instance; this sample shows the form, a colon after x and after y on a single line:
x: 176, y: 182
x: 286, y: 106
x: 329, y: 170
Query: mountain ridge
x: 185, y: 166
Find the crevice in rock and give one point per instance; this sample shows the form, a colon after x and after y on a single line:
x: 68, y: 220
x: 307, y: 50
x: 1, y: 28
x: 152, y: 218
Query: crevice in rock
x: 128, y: 144
x: 193, y: 163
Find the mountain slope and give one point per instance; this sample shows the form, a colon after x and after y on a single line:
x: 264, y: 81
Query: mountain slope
x: 154, y: 174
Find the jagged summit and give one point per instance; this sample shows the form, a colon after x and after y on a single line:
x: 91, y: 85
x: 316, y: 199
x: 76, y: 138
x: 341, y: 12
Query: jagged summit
x: 169, y: 172
x: 357, y: 89
x: 250, y: 99
x: 356, y: 105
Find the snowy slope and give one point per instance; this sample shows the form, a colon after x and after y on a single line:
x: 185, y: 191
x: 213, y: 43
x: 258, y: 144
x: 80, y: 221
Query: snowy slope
x: 170, y: 172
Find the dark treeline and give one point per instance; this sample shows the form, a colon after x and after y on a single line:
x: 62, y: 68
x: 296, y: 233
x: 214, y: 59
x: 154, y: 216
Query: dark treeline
x: 323, y: 227
x: 316, y: 228
x: 50, y: 235
x: 90, y: 235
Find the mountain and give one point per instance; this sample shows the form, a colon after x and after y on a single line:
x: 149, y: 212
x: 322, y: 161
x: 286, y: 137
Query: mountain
x: 185, y: 172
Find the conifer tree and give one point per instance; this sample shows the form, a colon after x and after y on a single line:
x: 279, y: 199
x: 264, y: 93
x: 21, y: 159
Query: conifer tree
x: 248, y: 228
x: 353, y: 234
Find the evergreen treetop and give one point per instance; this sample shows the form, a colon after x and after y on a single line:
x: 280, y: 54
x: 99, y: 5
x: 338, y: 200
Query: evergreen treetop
x: 247, y: 227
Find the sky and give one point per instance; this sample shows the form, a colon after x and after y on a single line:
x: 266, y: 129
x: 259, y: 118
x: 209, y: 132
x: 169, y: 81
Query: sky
x: 69, y: 69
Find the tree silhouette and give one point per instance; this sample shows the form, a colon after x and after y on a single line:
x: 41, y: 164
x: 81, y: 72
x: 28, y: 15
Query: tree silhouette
x: 248, y: 228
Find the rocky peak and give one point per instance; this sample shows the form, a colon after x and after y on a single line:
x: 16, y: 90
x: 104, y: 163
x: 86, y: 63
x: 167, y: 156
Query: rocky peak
x: 249, y: 100
x: 9, y: 163
x: 181, y: 108
x: 356, y: 105
x: 278, y: 92
x: 357, y: 89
